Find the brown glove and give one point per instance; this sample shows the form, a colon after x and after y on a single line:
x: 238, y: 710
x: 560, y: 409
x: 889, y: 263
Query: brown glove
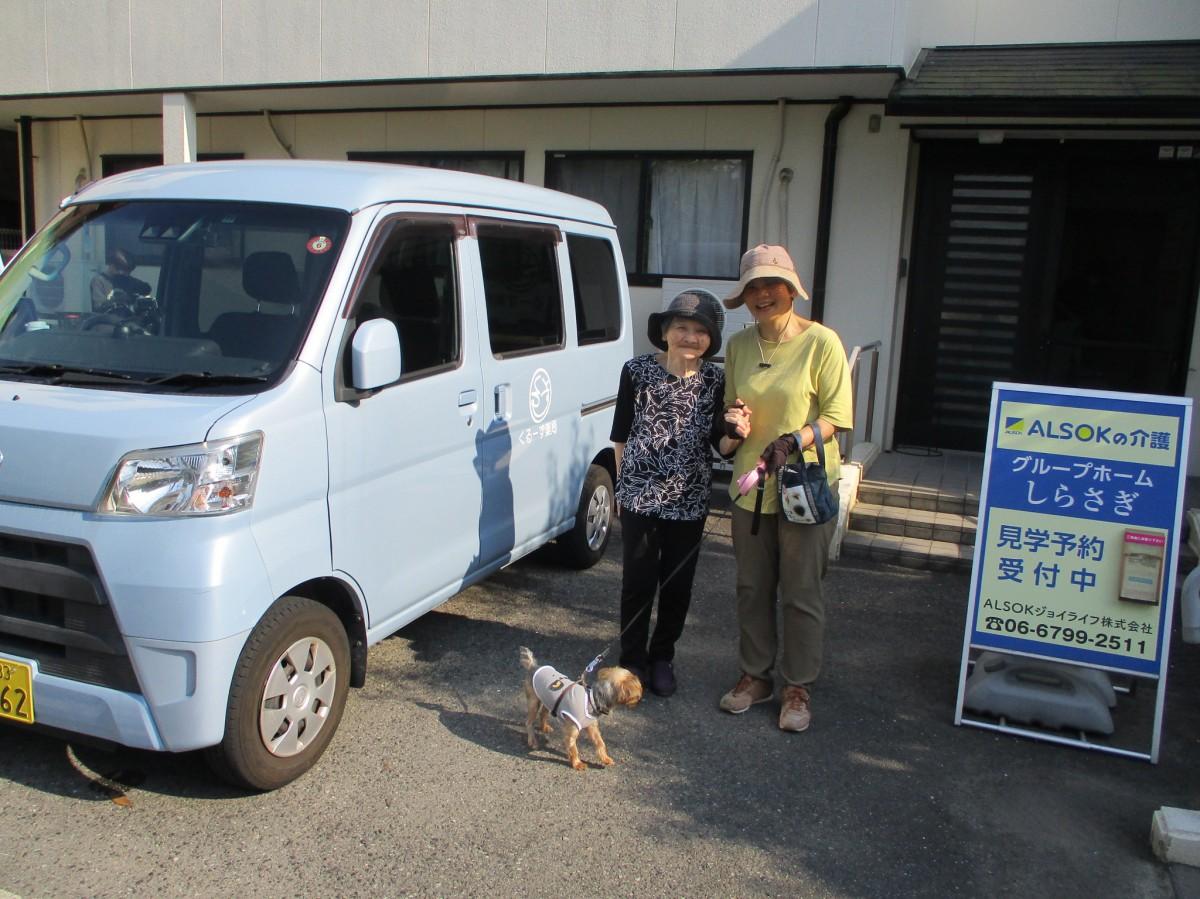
x: 777, y: 451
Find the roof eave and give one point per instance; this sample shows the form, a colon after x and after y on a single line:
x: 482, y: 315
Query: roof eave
x: 1047, y: 107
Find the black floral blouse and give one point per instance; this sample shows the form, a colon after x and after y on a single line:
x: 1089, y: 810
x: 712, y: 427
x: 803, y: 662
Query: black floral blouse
x: 667, y: 425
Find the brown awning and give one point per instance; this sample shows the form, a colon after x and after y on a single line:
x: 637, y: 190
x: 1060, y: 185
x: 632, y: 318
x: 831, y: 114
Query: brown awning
x: 1159, y: 79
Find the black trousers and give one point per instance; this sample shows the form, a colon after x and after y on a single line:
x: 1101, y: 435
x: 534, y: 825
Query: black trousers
x: 653, y: 549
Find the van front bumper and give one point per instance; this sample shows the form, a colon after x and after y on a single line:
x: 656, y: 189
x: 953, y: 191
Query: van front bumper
x: 187, y: 711
x: 131, y: 628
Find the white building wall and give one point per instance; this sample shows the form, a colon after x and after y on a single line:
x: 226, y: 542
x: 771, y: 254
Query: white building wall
x: 75, y: 45
x: 69, y: 45
x: 196, y: 31
x: 865, y: 248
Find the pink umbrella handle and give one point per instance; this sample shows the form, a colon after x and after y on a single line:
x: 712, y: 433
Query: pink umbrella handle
x: 750, y: 479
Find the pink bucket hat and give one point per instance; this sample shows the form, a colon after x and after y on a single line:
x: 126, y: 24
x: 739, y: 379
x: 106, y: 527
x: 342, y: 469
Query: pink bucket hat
x: 765, y: 261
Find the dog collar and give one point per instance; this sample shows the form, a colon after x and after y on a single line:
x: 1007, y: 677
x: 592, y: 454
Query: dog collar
x: 593, y: 709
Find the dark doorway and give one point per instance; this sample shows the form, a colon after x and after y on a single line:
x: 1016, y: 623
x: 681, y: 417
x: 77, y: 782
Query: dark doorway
x: 1071, y: 264
x: 10, y: 195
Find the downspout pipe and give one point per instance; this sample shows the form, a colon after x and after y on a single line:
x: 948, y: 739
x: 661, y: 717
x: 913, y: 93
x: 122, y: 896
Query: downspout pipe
x: 25, y: 135
x: 770, y: 183
x: 833, y: 123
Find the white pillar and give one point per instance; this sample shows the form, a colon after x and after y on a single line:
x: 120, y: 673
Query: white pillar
x: 179, y: 128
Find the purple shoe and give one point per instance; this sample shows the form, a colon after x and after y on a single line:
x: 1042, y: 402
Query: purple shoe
x: 662, y: 678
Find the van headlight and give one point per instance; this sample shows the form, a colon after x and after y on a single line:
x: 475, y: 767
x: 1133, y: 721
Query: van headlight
x: 200, y: 479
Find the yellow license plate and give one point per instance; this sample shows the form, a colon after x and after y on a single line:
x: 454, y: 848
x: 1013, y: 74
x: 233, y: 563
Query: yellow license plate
x: 16, y: 691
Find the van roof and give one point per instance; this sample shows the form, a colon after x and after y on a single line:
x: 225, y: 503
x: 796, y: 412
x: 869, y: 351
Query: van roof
x: 338, y: 185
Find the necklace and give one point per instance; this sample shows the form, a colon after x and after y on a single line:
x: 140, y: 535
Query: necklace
x: 684, y: 371
x: 765, y: 360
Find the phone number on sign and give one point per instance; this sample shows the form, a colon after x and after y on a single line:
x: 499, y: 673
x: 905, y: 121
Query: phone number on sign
x: 1076, y: 635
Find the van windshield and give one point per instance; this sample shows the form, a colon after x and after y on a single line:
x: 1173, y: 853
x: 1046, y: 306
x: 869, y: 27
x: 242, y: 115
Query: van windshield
x: 167, y: 295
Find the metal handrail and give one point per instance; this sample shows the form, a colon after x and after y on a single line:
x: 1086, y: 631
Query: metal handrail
x: 846, y: 438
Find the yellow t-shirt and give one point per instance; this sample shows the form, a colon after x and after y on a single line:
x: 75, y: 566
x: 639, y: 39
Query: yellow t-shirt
x: 808, y: 379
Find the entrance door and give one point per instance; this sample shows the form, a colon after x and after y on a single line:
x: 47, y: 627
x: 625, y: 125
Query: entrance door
x: 1061, y: 264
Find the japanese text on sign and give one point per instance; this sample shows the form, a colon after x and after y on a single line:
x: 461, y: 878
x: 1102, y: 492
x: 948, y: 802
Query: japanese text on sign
x: 1071, y: 476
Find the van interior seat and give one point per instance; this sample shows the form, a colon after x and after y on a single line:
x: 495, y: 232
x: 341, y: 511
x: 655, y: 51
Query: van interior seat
x: 411, y: 295
x: 267, y: 277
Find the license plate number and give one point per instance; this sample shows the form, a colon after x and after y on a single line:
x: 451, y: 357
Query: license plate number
x: 16, y: 691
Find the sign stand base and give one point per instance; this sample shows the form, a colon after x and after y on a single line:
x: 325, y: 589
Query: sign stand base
x: 1054, y: 702
x: 1046, y: 736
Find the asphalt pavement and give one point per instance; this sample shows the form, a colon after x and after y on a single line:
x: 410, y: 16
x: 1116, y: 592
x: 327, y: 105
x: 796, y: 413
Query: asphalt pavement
x: 429, y: 790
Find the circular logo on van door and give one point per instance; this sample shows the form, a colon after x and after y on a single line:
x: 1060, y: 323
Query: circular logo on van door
x: 539, y: 395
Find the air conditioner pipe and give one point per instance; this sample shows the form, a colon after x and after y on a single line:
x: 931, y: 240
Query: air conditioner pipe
x: 25, y: 139
x: 87, y: 151
x: 769, y: 184
x: 833, y: 122
x: 275, y: 134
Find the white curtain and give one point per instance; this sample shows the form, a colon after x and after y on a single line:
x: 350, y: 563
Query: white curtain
x: 696, y: 215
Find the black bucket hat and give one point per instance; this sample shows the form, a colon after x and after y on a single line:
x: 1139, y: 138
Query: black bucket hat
x: 696, y: 304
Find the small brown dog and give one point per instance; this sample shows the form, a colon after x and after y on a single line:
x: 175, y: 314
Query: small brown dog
x: 550, y: 692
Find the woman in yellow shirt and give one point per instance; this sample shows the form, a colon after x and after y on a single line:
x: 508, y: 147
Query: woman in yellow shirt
x: 781, y: 375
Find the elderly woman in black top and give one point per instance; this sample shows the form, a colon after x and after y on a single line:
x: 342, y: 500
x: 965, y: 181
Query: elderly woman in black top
x: 669, y: 413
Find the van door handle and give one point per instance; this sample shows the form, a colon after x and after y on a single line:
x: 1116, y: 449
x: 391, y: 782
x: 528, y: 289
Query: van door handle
x: 503, y: 401
x: 466, y: 398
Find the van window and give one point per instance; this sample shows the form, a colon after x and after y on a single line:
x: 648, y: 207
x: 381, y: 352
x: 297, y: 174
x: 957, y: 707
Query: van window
x: 597, y: 297
x: 168, y: 294
x: 520, y: 284
x: 412, y: 283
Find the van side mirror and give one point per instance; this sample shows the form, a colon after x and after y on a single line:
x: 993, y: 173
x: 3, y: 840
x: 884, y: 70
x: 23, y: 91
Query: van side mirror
x: 375, y: 354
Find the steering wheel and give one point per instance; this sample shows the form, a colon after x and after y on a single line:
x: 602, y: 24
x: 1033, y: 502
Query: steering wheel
x: 119, y: 304
x: 122, y: 325
x: 52, y: 263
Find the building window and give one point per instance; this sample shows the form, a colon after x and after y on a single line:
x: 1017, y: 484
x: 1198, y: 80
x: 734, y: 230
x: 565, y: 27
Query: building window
x: 520, y: 288
x: 498, y: 165
x: 116, y: 163
x: 678, y: 215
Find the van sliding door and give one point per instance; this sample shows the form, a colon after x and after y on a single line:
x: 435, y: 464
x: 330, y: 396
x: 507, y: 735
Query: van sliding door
x: 528, y: 386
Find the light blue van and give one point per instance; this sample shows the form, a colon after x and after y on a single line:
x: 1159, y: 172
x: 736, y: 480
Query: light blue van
x: 257, y: 416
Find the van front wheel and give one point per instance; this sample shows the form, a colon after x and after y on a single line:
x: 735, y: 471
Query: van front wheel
x: 287, y: 696
x: 583, y: 545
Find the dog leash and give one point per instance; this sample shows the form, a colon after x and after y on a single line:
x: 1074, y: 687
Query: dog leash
x: 595, y: 663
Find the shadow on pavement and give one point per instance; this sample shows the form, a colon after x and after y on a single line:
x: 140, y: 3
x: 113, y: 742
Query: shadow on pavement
x: 883, y: 795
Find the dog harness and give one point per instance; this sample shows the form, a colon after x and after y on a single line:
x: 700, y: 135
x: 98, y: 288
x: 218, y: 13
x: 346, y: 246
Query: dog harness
x: 564, y: 697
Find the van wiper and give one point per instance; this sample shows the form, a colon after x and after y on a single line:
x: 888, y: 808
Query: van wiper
x: 71, y: 374
x: 37, y: 369
x: 200, y: 378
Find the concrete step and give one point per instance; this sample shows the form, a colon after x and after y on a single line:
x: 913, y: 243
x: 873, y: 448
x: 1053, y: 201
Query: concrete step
x: 898, y: 521
x: 917, y: 525
x: 925, y: 499
x: 911, y: 552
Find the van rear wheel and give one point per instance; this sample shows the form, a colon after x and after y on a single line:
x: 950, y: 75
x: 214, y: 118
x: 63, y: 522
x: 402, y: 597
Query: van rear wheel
x: 583, y: 546
x: 287, y: 696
